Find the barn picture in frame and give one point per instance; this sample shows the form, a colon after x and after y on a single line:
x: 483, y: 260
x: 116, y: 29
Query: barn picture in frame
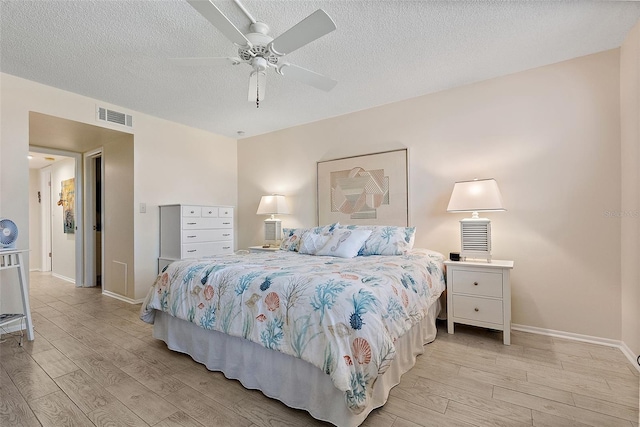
x: 371, y: 189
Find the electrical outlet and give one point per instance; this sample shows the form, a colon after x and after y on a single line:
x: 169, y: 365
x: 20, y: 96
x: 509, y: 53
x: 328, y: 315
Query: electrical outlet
x: 143, y: 208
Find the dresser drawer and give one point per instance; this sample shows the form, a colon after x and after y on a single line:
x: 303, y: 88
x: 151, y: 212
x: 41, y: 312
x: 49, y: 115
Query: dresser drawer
x: 197, y: 250
x: 199, y: 236
x: 225, y: 212
x: 191, y: 211
x: 475, y: 282
x: 480, y: 309
x: 209, y: 212
x: 206, y: 223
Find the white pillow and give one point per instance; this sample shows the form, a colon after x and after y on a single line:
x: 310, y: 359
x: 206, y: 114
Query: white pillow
x: 345, y: 243
x: 310, y: 243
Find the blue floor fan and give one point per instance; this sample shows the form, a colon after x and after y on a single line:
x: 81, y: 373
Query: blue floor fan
x: 8, y: 234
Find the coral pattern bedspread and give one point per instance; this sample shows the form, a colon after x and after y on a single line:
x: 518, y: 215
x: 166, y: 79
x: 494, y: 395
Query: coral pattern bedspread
x: 342, y: 315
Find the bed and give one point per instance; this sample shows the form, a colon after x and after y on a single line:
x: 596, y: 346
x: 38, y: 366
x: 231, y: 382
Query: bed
x: 325, y: 334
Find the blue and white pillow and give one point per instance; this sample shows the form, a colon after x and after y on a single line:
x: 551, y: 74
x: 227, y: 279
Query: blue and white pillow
x: 385, y: 240
x: 344, y: 243
x: 293, y: 236
x: 310, y: 243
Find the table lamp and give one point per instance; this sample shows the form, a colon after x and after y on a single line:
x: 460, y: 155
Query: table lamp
x: 273, y: 205
x: 479, y: 195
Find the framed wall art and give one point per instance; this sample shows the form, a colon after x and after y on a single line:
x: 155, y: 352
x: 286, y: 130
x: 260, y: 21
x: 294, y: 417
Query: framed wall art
x: 68, y: 203
x: 371, y: 189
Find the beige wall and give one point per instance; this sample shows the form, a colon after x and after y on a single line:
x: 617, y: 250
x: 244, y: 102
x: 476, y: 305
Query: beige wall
x: 175, y: 164
x: 172, y: 164
x: 550, y: 137
x: 630, y: 207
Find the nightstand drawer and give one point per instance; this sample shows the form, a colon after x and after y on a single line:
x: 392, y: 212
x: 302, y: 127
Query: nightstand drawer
x: 475, y: 282
x: 480, y: 309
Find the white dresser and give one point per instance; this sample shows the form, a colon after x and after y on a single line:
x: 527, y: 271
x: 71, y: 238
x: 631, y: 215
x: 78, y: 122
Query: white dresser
x: 192, y: 231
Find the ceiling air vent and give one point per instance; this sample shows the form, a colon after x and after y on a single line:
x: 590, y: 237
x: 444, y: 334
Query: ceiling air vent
x: 116, y: 117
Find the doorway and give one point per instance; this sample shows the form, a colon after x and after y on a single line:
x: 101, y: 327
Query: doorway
x: 45, y: 218
x: 57, y: 225
x: 94, y: 213
x: 97, y: 252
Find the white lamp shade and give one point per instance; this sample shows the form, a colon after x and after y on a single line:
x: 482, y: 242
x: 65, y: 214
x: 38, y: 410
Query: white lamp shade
x: 481, y: 195
x: 273, y: 205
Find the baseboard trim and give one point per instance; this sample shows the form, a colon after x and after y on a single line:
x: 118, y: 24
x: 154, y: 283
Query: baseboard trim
x: 579, y: 337
x: 121, y: 298
x: 632, y: 357
x: 65, y: 278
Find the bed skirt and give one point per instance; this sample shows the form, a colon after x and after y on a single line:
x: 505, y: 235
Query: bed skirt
x: 292, y: 381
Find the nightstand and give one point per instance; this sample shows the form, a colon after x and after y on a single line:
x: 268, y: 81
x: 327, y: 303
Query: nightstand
x: 255, y: 249
x: 479, y: 294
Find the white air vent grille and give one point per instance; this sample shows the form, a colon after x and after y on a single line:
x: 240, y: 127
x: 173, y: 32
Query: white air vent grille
x: 112, y: 116
x: 475, y: 237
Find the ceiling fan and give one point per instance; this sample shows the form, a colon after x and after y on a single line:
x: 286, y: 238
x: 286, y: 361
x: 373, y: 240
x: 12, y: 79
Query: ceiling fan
x: 261, y: 51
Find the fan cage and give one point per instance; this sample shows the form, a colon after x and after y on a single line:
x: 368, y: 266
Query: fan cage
x: 8, y: 234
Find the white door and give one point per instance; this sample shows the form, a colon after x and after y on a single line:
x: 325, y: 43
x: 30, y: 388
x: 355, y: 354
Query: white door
x: 45, y: 216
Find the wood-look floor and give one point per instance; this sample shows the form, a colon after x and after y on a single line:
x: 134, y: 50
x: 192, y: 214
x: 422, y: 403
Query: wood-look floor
x: 93, y: 362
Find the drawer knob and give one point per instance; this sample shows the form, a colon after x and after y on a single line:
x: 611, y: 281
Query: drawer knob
x: 191, y: 251
x: 191, y: 223
x: 476, y: 309
x: 475, y: 283
x: 190, y: 237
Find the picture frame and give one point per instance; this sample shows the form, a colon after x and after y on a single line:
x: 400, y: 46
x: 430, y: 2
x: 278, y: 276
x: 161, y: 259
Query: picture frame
x: 67, y: 201
x: 370, y: 189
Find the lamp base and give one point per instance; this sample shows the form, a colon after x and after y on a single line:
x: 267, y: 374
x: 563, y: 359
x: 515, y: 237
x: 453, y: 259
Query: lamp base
x: 272, y: 230
x: 475, y: 238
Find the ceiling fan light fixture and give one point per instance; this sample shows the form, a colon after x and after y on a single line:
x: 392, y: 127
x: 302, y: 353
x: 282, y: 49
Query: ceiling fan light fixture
x: 259, y: 64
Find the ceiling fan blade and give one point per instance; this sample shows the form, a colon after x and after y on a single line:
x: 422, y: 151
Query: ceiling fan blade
x: 214, y: 15
x: 309, y: 29
x: 204, y: 62
x: 257, y: 83
x: 307, y: 77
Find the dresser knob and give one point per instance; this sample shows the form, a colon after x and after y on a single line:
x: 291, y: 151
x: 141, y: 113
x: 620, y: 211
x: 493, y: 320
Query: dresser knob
x: 476, y: 309
x: 475, y: 283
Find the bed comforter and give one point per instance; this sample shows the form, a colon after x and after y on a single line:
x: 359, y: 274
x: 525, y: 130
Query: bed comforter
x: 341, y: 315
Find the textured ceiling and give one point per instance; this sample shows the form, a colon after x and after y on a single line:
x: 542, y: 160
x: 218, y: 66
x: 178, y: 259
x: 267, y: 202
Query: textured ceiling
x: 381, y: 52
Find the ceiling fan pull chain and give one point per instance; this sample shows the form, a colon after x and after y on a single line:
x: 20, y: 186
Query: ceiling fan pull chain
x: 257, y: 91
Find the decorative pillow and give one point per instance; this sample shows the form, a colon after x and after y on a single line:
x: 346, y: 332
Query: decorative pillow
x: 310, y: 243
x: 345, y: 243
x: 292, y: 236
x: 386, y: 240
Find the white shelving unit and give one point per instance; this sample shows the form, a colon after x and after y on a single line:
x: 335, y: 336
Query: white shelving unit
x: 12, y: 259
